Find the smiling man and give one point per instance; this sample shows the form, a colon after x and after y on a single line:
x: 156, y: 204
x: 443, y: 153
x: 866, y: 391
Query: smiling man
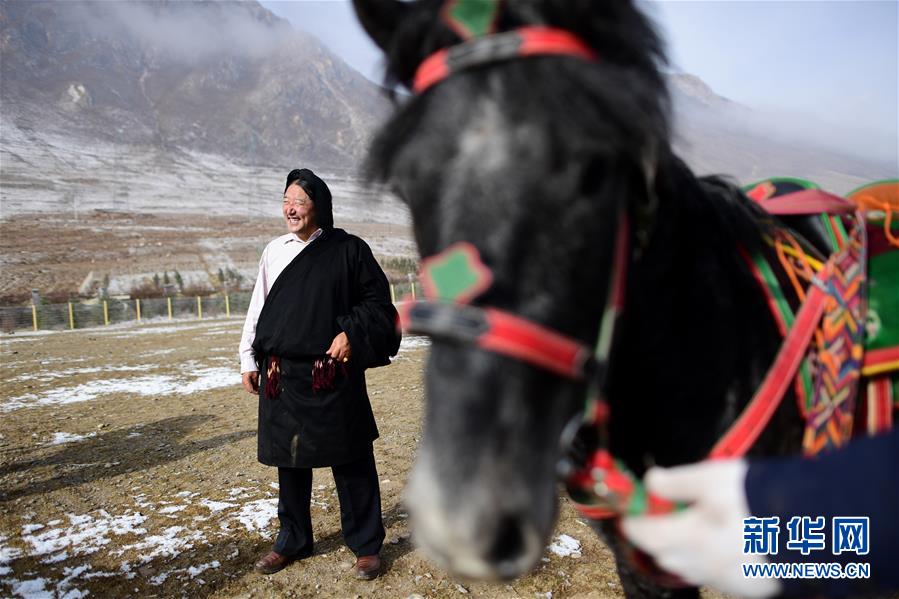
x: 319, y: 316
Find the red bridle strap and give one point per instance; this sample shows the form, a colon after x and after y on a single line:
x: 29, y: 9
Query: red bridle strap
x: 523, y: 42
x: 755, y: 417
x: 499, y: 332
x: 451, y: 318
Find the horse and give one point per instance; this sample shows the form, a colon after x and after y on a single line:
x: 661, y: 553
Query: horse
x: 540, y: 167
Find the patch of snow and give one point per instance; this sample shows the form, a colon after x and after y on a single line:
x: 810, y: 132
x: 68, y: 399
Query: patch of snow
x: 566, y: 546
x: 31, y: 589
x: 188, y: 381
x: 64, y: 586
x: 216, y: 506
x: 7, y: 555
x: 146, y: 385
x: 256, y: 515
x: 158, y: 352
x: 24, y: 335
x: 211, y: 378
x: 30, y: 528
x: 61, y: 374
x: 125, y: 330
x: 194, y: 571
x: 170, y: 543
x: 59, y: 557
x: 414, y: 341
x: 60, y: 438
x: 85, y: 535
x: 171, y: 509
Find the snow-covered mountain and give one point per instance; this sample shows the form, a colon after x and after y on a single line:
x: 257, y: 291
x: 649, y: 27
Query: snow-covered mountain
x: 227, y: 78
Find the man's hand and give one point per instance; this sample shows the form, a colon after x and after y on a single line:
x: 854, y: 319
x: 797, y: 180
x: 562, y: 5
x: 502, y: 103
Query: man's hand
x: 251, y: 381
x: 340, y: 348
x: 703, y: 544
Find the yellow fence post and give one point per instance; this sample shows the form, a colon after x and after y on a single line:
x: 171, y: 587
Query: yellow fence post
x: 199, y: 307
x: 227, y: 307
x: 169, y: 302
x: 34, y: 316
x: 105, y: 312
x: 413, y: 291
x: 392, y: 294
x: 71, y: 316
x: 137, y: 304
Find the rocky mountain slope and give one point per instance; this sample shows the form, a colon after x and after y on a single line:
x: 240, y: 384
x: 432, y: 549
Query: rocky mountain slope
x: 226, y: 78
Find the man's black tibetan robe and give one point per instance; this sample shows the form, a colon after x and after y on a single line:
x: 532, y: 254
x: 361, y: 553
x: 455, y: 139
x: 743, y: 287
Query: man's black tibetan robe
x: 333, y: 285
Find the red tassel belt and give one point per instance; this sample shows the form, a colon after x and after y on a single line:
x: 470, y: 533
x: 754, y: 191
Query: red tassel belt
x: 273, y: 378
x: 324, y: 373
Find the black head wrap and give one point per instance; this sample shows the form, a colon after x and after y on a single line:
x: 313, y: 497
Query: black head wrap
x: 318, y: 192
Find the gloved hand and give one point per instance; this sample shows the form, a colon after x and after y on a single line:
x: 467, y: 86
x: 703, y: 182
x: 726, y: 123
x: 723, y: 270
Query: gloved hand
x: 703, y: 544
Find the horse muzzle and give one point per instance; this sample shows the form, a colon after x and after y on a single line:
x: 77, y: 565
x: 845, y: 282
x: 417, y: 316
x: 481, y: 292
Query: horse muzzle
x: 480, y: 529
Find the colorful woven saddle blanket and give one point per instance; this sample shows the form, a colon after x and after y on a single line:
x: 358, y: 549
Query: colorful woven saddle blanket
x: 848, y: 382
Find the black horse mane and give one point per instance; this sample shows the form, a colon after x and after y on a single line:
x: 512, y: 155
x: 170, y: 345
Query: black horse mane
x: 630, y: 51
x: 694, y: 258
x: 626, y: 90
x: 619, y: 32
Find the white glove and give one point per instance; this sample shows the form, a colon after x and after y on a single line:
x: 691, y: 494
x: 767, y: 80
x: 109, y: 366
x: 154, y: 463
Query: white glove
x: 703, y: 544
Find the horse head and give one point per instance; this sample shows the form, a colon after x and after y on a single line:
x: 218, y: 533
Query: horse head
x: 532, y: 160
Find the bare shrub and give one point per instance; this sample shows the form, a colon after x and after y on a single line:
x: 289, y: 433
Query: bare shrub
x: 397, y: 268
x: 195, y: 289
x: 145, y: 290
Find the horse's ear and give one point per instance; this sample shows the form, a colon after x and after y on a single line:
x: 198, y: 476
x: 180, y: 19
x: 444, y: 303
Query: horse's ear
x: 380, y: 18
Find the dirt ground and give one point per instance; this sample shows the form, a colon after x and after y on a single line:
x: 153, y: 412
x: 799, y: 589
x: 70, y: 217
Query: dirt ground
x: 129, y: 469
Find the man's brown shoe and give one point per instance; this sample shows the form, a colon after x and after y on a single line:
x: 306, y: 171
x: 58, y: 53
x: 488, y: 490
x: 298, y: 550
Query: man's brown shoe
x: 368, y: 567
x: 272, y: 562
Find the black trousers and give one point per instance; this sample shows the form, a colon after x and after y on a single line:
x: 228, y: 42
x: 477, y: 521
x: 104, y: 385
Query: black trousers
x: 360, y: 508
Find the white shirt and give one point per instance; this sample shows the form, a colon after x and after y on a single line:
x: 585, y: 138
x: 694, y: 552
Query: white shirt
x: 275, y: 257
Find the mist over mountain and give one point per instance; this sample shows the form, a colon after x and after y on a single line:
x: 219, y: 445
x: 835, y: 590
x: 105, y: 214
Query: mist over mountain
x: 226, y: 78
x: 718, y: 136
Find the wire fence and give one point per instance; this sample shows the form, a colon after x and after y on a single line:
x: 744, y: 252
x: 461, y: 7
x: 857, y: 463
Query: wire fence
x: 97, y: 313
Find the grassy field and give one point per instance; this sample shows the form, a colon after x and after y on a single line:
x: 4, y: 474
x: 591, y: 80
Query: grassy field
x: 128, y: 468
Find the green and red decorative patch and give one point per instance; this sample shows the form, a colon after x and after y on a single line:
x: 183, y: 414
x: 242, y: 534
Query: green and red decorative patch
x: 456, y: 274
x: 471, y: 18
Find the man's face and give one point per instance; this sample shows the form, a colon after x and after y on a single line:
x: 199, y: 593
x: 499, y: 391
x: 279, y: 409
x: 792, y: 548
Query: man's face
x: 299, y: 212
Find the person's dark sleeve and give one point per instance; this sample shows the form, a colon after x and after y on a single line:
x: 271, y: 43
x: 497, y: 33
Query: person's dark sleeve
x: 861, y: 479
x: 371, y: 325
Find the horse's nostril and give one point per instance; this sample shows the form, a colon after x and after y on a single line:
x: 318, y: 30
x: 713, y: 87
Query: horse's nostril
x: 509, y: 542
